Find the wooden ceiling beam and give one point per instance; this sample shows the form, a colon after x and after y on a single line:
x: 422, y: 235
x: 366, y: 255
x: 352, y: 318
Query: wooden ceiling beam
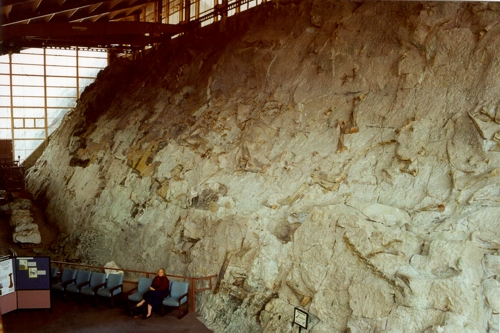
x: 103, y: 10
x: 42, y: 11
x: 6, y: 10
x: 14, y: 2
x: 35, y: 5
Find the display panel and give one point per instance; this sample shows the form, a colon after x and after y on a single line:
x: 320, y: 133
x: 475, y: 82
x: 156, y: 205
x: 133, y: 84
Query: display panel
x: 32, y: 273
x: 6, y: 277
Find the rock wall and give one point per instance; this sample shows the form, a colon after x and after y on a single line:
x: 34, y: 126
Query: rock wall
x: 337, y: 156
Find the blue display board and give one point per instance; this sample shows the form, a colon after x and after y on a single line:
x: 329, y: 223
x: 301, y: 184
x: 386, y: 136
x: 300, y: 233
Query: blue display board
x: 32, y: 273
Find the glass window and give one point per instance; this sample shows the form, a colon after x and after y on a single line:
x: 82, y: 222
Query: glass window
x: 4, y: 68
x: 206, y: 5
x: 56, y: 113
x: 28, y: 134
x: 37, y: 81
x: 84, y: 83
x: 28, y: 91
x: 29, y: 112
x: 54, y: 125
x: 173, y: 19
x: 27, y: 144
x: 61, y: 82
x: 5, y: 123
x: 5, y: 134
x: 60, y: 61
x: 92, y: 62
x: 31, y: 89
x: 4, y: 80
x: 18, y: 123
x: 28, y: 101
x: 64, y: 92
x: 5, y: 112
x: 27, y: 69
x: 89, y: 72
x: 61, y: 101
x: 40, y: 123
x: 29, y: 122
x: 61, y: 71
x: 100, y: 53
x: 5, y: 90
x: 29, y: 59
x: 31, y: 51
x: 60, y: 52
x: 4, y: 101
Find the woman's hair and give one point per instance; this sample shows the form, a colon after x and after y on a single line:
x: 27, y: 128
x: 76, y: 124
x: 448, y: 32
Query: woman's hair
x: 161, y: 269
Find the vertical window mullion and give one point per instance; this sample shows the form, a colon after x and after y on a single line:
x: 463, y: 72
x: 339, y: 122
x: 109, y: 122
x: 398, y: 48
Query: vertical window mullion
x: 11, y: 104
x: 46, y: 116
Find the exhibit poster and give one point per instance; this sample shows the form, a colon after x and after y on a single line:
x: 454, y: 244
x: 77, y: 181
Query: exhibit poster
x: 32, y: 273
x: 6, y: 276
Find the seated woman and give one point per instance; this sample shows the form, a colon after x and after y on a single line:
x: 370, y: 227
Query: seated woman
x: 154, y: 296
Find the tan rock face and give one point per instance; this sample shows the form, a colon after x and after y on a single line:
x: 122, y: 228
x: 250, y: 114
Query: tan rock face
x: 340, y: 157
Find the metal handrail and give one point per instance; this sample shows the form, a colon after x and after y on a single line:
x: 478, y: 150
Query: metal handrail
x: 192, y: 280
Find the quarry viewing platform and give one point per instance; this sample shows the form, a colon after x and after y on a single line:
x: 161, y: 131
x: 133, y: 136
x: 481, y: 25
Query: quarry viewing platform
x: 68, y: 313
x: 196, y: 284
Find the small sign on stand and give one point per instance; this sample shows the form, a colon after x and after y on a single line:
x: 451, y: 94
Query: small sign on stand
x: 300, y: 318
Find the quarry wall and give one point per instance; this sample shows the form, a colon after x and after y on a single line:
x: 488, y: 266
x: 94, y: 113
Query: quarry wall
x: 340, y: 157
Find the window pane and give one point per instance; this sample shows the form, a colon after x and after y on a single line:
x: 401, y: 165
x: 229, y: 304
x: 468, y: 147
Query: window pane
x: 173, y: 19
x: 60, y: 61
x: 61, y: 71
x: 92, y: 62
x: 56, y: 113
x: 27, y: 81
x: 56, y: 92
x: 4, y: 90
x: 6, y: 134
x: 24, y: 148
x: 5, y: 123
x: 39, y: 123
x: 29, y: 59
x: 4, y: 80
x: 29, y: 112
x: 87, y: 71
x: 53, y: 124
x: 29, y: 133
x: 84, y: 83
x: 27, y: 69
x: 4, y: 101
x: 5, y: 112
x: 93, y: 54
x: 32, y: 51
x: 60, y: 52
x: 28, y: 101
x: 27, y: 144
x: 61, y: 101
x: 29, y: 122
x: 28, y: 91
x: 61, y: 81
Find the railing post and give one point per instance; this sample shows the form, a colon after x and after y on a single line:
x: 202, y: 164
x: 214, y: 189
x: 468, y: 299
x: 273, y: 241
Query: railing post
x: 192, y: 304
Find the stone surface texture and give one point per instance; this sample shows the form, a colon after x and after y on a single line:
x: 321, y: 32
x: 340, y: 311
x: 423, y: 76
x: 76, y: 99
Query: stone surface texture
x: 24, y: 228
x: 340, y: 157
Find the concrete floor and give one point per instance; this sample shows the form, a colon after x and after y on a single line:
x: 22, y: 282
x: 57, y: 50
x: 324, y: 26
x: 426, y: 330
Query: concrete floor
x: 69, y: 316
